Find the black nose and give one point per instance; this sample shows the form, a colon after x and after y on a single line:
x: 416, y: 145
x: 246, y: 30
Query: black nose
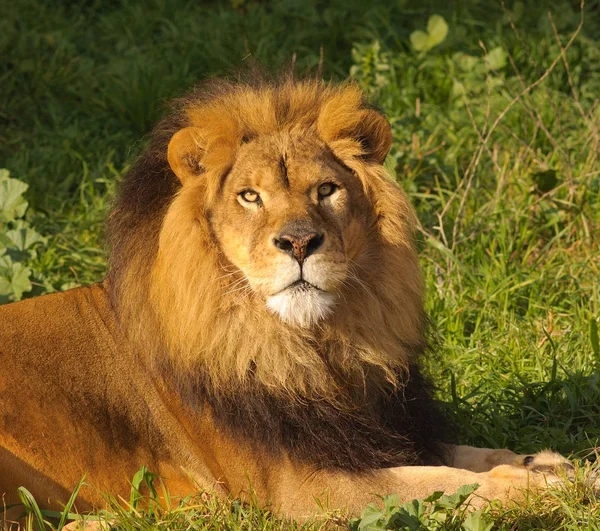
x: 299, y: 244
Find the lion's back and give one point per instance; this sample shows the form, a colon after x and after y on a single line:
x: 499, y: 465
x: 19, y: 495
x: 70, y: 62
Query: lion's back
x: 51, y: 341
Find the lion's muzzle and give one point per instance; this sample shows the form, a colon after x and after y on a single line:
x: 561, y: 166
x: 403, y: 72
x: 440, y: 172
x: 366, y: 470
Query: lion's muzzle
x: 299, y: 241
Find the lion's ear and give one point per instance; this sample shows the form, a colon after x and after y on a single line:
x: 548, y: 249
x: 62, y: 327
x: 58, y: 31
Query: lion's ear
x: 374, y: 134
x: 340, y: 119
x: 185, y: 153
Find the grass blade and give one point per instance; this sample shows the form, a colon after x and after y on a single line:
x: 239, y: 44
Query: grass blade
x: 65, y: 515
x: 32, y: 508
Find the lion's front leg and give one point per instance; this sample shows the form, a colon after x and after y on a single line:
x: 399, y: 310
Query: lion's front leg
x: 486, y: 459
x: 349, y: 492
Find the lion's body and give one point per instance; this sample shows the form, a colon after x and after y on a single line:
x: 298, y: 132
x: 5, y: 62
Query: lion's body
x: 76, y: 402
x: 73, y: 402
x: 261, y: 324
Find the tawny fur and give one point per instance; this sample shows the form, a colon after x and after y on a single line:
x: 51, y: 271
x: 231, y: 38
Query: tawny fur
x: 177, y: 362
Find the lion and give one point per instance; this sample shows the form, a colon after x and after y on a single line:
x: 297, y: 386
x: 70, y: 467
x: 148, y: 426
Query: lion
x: 260, y: 328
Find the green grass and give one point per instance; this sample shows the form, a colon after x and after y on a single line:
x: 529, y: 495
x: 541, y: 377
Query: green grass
x: 496, y: 139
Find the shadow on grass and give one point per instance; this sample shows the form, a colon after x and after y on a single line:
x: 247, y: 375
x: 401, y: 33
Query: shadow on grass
x: 562, y: 414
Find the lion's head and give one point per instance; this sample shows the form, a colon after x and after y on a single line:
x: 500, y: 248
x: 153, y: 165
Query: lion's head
x: 285, y: 211
x: 261, y: 240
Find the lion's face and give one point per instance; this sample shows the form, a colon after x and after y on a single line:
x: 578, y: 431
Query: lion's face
x: 292, y: 218
x: 286, y: 180
x: 274, y: 209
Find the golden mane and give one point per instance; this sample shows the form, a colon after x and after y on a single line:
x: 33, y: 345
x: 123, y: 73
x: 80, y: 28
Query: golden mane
x: 172, y: 285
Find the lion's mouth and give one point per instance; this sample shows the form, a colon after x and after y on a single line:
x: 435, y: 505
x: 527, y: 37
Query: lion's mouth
x: 301, y: 303
x: 301, y: 285
x: 298, y: 287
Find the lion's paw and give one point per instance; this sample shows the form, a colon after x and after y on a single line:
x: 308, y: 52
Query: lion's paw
x: 550, y: 463
x: 544, y: 468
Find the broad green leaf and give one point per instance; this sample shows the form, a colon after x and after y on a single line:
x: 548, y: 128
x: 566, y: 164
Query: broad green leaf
x: 466, y: 62
x: 12, y: 203
x: 465, y: 491
x: 458, y: 89
x: 369, y: 518
x: 437, y: 28
x: 14, y: 279
x: 402, y: 520
x: 391, y: 501
x: 419, y: 40
x: 22, y: 238
x: 453, y: 501
x: 434, y: 496
x: 439, y: 516
x: 477, y: 521
x: 414, y: 508
x: 496, y: 58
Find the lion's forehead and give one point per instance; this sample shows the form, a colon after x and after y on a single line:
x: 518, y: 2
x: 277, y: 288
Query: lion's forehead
x: 282, y: 161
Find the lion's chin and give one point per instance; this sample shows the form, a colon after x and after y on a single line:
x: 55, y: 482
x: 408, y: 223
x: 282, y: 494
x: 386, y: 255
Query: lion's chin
x: 302, y: 305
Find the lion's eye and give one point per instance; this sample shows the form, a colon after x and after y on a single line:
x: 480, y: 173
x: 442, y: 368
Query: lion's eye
x: 250, y: 196
x: 326, y: 189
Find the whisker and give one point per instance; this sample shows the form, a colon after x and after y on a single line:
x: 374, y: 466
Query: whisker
x: 237, y: 282
x: 229, y: 274
x: 239, y: 289
x: 352, y: 275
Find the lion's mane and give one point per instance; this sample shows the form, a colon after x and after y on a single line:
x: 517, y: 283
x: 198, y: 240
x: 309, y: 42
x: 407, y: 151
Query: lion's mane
x: 347, y: 394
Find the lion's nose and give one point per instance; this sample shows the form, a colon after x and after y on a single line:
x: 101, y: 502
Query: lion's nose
x: 300, y: 245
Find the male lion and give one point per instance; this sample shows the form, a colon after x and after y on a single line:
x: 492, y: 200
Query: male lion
x: 260, y: 326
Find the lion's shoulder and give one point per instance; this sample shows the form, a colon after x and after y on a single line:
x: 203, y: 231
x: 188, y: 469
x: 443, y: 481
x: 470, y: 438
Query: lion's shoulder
x: 58, y: 326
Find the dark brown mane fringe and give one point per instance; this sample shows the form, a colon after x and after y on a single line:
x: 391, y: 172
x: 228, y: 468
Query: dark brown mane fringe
x: 403, y: 427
